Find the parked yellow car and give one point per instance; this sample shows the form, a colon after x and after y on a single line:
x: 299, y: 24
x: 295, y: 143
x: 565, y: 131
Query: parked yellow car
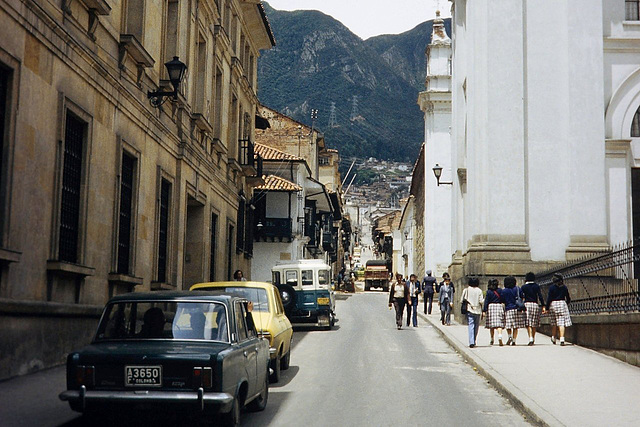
x: 268, y: 314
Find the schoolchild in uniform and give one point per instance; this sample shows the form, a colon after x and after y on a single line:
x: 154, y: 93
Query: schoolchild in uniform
x: 558, y: 302
x: 494, y: 310
x: 513, y: 318
x: 534, y: 302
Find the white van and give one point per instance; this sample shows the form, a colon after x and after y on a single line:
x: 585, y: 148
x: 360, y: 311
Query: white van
x: 305, y: 289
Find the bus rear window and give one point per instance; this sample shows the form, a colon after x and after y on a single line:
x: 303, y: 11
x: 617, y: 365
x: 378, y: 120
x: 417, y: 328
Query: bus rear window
x: 307, y: 277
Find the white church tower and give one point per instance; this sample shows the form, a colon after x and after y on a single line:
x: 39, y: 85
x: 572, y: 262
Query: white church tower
x: 435, y: 102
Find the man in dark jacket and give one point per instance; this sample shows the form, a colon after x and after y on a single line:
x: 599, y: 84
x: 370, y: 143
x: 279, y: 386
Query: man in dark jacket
x: 428, y: 289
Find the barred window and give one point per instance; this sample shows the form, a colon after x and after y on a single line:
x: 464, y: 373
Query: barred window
x: 71, y: 188
x: 632, y: 10
x: 230, y: 252
x: 214, y: 232
x: 4, y: 118
x: 126, y: 213
x: 4, y: 82
x: 163, y: 230
x: 240, y: 244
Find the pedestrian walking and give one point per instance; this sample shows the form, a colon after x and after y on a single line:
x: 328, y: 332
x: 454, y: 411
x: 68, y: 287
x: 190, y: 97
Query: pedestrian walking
x: 473, y: 295
x: 534, y: 303
x: 341, y: 276
x: 513, y: 318
x: 428, y: 289
x: 494, y: 310
x: 238, y: 276
x: 558, y: 302
x: 399, y: 297
x: 445, y: 298
x: 414, y: 292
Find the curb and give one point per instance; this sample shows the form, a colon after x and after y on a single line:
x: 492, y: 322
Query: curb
x: 522, y: 403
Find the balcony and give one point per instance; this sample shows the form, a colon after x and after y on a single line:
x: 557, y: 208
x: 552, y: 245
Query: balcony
x: 274, y: 229
x: 247, y: 157
x: 257, y: 179
x: 328, y: 242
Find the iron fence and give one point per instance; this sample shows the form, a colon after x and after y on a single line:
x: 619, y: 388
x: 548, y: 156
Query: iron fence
x: 604, y: 282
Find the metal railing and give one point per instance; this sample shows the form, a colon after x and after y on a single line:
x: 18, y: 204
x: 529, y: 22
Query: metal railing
x: 274, y: 228
x: 604, y: 282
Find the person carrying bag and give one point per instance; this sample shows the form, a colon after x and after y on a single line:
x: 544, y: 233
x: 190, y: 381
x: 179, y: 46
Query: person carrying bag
x: 472, y: 296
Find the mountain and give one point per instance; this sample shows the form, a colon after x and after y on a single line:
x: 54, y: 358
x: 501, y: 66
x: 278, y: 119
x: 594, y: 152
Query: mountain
x: 373, y: 83
x: 405, y: 52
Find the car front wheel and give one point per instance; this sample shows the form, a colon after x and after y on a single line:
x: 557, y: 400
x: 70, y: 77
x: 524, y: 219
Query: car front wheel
x: 275, y: 366
x: 286, y: 360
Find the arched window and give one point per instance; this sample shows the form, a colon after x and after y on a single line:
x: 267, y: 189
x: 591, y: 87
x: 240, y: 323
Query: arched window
x: 635, y: 125
x: 632, y: 10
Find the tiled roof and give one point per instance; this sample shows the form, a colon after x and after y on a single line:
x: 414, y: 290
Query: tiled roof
x: 275, y: 183
x: 269, y: 153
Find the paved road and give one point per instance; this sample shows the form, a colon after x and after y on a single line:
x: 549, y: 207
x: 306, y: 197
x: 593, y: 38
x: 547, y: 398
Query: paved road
x: 364, y: 372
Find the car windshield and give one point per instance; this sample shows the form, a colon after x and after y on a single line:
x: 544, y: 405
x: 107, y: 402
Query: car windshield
x: 257, y: 296
x: 141, y: 320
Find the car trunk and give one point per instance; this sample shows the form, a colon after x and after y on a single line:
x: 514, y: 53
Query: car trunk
x: 176, y: 360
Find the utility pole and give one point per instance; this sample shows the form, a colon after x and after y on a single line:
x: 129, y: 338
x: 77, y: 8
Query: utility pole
x: 314, y: 116
x: 347, y: 174
x: 332, y: 116
x: 354, y: 107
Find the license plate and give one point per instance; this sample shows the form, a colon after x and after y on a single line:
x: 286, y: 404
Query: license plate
x: 147, y: 376
x: 323, y: 301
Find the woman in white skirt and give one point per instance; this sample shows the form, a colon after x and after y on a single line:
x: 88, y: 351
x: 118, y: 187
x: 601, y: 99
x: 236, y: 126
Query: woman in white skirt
x: 494, y: 311
x: 558, y: 306
x: 513, y: 318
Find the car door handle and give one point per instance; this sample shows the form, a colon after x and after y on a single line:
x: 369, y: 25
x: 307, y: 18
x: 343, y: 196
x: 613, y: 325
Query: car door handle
x: 245, y: 353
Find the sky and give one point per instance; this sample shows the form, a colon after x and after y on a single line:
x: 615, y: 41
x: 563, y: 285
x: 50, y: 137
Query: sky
x: 368, y: 18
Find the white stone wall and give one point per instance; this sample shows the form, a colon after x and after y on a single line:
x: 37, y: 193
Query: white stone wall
x: 528, y: 128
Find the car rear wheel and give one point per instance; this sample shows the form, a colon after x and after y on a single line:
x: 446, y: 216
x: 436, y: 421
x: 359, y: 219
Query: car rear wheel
x: 275, y: 366
x: 232, y: 418
x: 260, y: 402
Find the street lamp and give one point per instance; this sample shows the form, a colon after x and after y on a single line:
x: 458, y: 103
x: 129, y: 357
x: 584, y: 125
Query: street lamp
x: 437, y: 171
x: 176, y: 70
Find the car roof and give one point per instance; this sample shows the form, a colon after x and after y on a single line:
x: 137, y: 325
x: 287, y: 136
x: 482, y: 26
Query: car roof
x: 302, y: 262
x: 172, y: 295
x: 201, y: 287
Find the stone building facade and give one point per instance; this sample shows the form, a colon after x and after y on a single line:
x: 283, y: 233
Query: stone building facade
x: 299, y: 155
x: 545, y: 129
x: 103, y: 192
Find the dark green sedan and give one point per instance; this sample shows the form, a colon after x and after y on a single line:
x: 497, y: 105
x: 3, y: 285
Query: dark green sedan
x: 196, y: 352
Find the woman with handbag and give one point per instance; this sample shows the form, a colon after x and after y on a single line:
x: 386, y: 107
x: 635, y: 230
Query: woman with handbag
x: 494, y: 309
x: 514, y: 317
x: 472, y: 301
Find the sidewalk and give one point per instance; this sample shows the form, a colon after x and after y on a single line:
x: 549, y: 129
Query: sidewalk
x: 550, y: 384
